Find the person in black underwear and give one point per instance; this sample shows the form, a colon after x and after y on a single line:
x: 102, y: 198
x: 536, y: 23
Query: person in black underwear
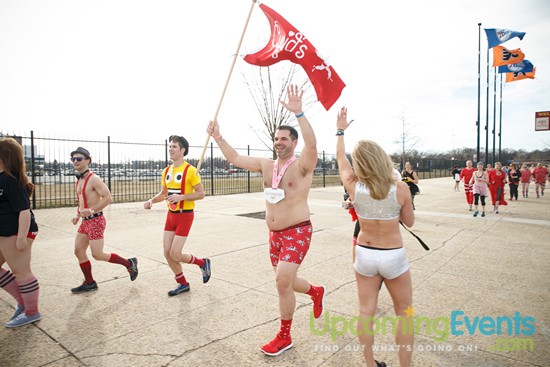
x: 18, y: 229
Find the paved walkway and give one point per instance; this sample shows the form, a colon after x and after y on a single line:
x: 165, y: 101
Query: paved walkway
x: 493, y: 267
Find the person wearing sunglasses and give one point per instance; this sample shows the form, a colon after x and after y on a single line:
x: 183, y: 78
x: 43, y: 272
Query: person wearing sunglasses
x: 18, y: 229
x: 180, y: 187
x: 93, y: 196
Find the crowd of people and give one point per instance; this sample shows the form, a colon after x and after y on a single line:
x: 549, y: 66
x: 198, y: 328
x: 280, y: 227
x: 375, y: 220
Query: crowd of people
x: 382, y: 199
x: 481, y: 182
x: 379, y: 195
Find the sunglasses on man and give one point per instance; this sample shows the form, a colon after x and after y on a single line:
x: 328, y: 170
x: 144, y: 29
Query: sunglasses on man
x: 78, y: 159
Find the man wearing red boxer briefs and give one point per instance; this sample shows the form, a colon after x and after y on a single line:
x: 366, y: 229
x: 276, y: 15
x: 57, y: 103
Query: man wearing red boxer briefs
x: 466, y: 176
x: 181, y: 187
x: 93, y: 196
x: 287, y: 181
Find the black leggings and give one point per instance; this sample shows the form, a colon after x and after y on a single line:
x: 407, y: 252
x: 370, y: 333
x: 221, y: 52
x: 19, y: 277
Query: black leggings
x: 513, y: 191
x: 476, y: 199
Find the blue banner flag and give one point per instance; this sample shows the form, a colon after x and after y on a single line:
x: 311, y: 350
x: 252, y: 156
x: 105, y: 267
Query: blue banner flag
x: 524, y: 66
x: 496, y: 36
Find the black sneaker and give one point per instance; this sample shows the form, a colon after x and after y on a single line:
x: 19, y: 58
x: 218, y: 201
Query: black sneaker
x: 133, y: 269
x: 179, y: 289
x: 206, y: 271
x: 85, y: 288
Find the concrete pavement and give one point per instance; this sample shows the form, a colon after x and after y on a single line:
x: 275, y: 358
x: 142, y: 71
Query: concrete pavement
x: 491, y: 274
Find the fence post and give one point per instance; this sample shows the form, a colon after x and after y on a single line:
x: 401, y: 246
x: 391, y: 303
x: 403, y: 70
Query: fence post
x: 32, y: 170
x: 212, y: 168
x: 248, y: 172
x: 323, y: 163
x: 109, y: 162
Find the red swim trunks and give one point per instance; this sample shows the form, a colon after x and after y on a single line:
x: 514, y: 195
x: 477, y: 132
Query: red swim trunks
x: 179, y: 222
x: 94, y: 227
x: 290, y: 244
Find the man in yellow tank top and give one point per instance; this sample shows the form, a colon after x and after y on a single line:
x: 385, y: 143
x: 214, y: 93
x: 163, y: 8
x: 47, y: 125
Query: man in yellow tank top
x: 181, y: 187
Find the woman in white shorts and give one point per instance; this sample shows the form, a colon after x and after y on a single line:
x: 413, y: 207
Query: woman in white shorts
x: 381, y: 203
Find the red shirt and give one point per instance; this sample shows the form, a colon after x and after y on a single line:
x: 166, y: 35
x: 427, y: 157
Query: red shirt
x: 466, y: 174
x: 525, y: 175
x: 540, y: 174
x: 497, y: 178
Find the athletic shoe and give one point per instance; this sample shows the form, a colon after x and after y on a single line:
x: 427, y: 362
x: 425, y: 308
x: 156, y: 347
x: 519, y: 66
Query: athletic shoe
x: 179, y: 289
x: 318, y: 302
x: 18, y: 310
x: 496, y: 212
x: 85, y: 288
x: 470, y: 208
x: 482, y: 214
x: 206, y: 271
x: 277, y: 346
x: 23, y: 319
x: 133, y: 269
x: 475, y: 213
x: 380, y: 364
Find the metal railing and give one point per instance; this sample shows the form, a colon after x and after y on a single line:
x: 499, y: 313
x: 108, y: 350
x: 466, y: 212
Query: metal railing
x: 133, y: 170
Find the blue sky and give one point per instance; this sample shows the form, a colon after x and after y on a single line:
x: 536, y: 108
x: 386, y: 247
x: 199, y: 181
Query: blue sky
x: 143, y: 69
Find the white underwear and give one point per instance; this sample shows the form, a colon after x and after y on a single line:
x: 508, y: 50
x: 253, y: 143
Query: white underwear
x: 389, y: 264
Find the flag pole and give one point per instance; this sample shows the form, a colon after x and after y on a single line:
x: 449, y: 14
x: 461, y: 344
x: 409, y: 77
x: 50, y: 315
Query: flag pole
x: 494, y: 114
x: 500, y: 122
x: 227, y: 82
x: 478, y: 158
x: 487, y: 115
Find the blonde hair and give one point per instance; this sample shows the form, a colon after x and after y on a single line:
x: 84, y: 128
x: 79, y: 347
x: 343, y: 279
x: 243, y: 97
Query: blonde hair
x: 373, y: 167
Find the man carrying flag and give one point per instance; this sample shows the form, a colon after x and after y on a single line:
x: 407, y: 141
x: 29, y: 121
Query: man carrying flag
x: 287, y: 181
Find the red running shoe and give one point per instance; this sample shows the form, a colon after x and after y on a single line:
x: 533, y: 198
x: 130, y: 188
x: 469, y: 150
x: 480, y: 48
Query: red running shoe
x: 277, y: 346
x: 318, y: 302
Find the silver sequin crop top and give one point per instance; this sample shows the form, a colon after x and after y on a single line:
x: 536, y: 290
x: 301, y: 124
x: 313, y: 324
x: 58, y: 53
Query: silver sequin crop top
x: 368, y: 208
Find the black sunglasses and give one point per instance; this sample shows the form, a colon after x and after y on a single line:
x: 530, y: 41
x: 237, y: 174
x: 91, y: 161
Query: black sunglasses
x: 78, y: 159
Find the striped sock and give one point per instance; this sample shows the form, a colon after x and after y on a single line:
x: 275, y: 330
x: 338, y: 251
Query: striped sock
x: 196, y: 261
x: 29, y: 291
x: 180, y: 278
x: 7, y: 282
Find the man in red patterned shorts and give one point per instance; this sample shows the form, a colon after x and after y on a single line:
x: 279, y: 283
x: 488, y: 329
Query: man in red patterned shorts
x: 93, y: 196
x: 465, y: 176
x: 287, y: 181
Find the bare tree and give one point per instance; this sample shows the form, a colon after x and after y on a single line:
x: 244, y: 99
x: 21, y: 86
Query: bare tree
x: 407, y: 141
x: 267, y: 87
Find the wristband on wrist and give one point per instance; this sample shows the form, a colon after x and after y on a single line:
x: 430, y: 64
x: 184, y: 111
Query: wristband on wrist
x: 339, y: 132
x: 218, y: 138
x: 300, y: 115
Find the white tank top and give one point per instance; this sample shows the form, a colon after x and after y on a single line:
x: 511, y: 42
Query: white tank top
x: 368, y: 208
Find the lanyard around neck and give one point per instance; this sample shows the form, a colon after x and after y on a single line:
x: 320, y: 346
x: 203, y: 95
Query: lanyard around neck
x: 276, y: 179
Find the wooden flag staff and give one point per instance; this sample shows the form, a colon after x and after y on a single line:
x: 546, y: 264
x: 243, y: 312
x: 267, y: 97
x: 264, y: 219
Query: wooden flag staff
x: 226, y: 84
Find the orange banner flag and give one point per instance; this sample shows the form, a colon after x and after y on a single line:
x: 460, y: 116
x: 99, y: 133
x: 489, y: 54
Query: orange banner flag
x: 512, y: 77
x: 503, y: 56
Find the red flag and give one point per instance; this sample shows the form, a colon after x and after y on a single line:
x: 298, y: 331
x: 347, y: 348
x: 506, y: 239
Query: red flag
x: 287, y: 43
x: 512, y: 77
x: 503, y: 56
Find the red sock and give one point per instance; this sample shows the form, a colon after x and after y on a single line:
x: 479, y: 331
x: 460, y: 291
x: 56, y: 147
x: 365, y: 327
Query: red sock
x: 196, y: 261
x: 115, y: 259
x: 86, y: 268
x: 285, y: 328
x: 312, y: 290
x: 29, y: 292
x: 7, y: 282
x: 180, y: 278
